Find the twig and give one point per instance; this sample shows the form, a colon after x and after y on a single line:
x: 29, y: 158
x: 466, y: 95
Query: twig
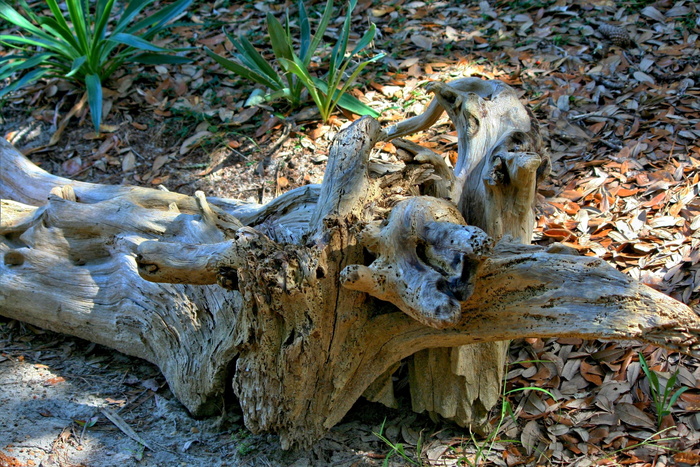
x: 610, y: 144
x: 124, y: 427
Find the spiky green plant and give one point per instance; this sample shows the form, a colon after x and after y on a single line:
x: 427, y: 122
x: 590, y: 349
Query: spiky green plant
x: 662, y: 396
x: 294, y: 75
x: 85, y: 44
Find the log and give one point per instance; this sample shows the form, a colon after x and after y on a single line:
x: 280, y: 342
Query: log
x: 305, y: 303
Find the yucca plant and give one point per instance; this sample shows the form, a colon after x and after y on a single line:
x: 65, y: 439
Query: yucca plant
x: 331, y: 91
x: 80, y: 46
x: 294, y: 75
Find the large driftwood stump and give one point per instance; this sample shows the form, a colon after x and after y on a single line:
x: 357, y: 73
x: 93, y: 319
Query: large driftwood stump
x: 501, y: 159
x: 306, y: 302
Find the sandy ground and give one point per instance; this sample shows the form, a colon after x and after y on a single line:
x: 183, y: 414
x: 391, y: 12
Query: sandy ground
x: 55, y: 398
x: 66, y: 402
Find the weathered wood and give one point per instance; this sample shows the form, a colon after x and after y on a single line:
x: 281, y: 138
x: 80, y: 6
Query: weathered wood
x: 500, y: 160
x: 305, y: 303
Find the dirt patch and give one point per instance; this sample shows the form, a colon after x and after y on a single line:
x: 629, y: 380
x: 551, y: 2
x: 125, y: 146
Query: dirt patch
x: 68, y: 402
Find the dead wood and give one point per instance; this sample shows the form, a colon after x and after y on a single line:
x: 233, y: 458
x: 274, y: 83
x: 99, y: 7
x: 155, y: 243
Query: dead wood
x: 306, y: 302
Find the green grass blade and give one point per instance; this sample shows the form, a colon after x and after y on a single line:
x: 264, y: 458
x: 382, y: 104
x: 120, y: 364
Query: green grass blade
x: 531, y: 388
x: 24, y: 80
x: 302, y: 73
x: 352, y: 104
x: 135, y: 41
x: 351, y: 79
x: 327, y: 101
x: 94, y: 92
x: 342, y: 45
x: 653, y: 379
x: 49, y: 45
x: 61, y: 37
x: 131, y: 11
x: 63, y: 24
x: 102, y: 16
x: 29, y: 12
x: 676, y: 395
x: 12, y: 16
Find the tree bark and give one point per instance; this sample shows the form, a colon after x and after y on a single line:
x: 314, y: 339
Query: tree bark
x: 306, y: 302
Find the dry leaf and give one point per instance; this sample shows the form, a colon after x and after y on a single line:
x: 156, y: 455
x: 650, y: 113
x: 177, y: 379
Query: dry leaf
x: 159, y: 162
x: 530, y: 436
x: 73, y: 165
x: 129, y: 162
x: 422, y: 41
x: 193, y: 141
x: 631, y: 415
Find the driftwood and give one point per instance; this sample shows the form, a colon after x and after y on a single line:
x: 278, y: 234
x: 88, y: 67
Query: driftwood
x: 307, y: 303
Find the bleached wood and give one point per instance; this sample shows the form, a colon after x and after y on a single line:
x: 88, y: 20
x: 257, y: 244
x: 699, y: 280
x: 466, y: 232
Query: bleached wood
x: 219, y: 293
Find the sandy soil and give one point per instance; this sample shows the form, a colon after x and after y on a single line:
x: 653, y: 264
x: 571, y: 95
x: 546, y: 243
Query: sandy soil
x: 67, y: 402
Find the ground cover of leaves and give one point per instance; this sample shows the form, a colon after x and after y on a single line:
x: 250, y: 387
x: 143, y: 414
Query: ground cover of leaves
x: 615, y: 88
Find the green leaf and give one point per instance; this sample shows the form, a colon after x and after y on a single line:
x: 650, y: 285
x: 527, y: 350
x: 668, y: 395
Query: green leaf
x: 131, y: 11
x: 64, y: 37
x: 341, y: 46
x: 365, y: 40
x: 297, y: 67
x: 282, y: 48
x: 102, y: 14
x: 22, y: 64
x: 58, y: 17
x: 352, y: 104
x: 56, y: 47
x: 77, y: 17
x: 346, y: 101
x: 160, y: 59
x: 75, y: 67
x: 304, y: 30
x: 281, y: 42
x: 157, y: 21
x: 135, y: 42
x: 11, y: 15
x: 676, y: 395
x: 24, y: 80
x: 318, y: 36
x: 351, y: 79
x: 256, y: 61
x: 654, y: 380
x: 242, y: 71
x: 94, y: 92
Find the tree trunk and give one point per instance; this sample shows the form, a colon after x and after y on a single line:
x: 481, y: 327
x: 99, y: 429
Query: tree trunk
x: 307, y: 302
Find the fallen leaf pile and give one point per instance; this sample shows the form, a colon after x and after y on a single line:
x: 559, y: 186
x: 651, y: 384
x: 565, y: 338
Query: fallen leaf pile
x: 615, y: 87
